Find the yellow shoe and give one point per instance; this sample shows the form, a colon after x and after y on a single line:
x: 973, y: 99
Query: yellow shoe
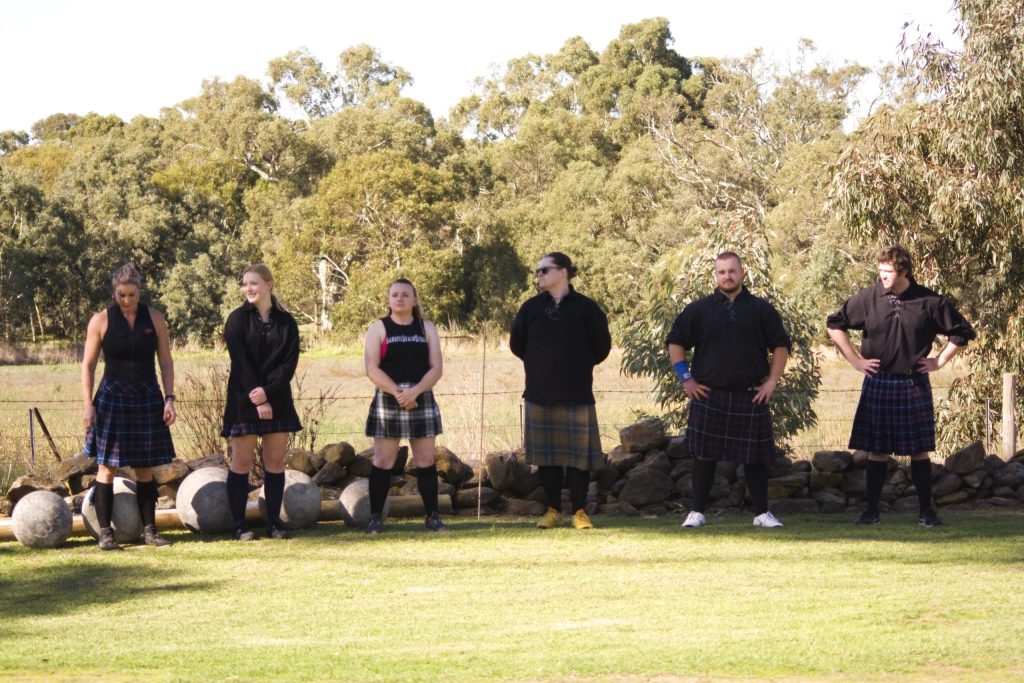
x: 581, y: 520
x: 551, y: 518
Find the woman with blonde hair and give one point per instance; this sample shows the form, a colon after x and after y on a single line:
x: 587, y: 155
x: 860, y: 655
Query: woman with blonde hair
x: 127, y: 421
x: 263, y: 342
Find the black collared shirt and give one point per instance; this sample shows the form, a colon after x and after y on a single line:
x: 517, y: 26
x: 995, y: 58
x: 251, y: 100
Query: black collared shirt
x: 560, y: 345
x: 731, y: 339
x: 262, y: 355
x: 899, y: 330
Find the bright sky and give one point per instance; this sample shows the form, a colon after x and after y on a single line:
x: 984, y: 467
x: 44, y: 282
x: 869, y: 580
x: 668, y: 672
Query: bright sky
x: 130, y: 58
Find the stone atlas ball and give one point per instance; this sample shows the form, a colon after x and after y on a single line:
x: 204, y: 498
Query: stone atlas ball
x: 301, y: 504
x: 41, y: 520
x: 125, y: 518
x: 355, y: 504
x: 202, y: 501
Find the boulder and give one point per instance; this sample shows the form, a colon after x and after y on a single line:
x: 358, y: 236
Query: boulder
x: 785, y: 486
x: 897, y: 476
x: 675, y: 449
x: 779, y: 467
x: 1011, y: 474
x: 300, y: 460
x: 648, y: 487
x: 945, y: 484
x: 905, y: 504
x: 502, y: 470
x: 124, y: 519
x: 6, y: 507
x: 795, y: 506
x: 76, y: 466
x: 341, y: 453
x: 208, y: 461
x: 29, y: 483
x: 81, y: 483
x: 606, y: 477
x: 355, y: 504
x: 656, y: 510
x: 202, y: 501
x: 976, y: 478
x: 620, y: 509
x: 518, y: 507
x: 967, y: 459
x: 802, y: 466
x: 993, y: 462
x: 331, y: 473
x: 654, y: 460
x: 854, y: 482
x: 830, y: 500
x: 820, y: 481
x: 402, y: 461
x: 952, y: 498
x: 450, y: 468
x: 173, y: 472
x: 41, y: 520
x: 528, y: 480
x: 860, y: 458
x: 1003, y: 492
x: 832, y: 461
x: 622, y: 459
x: 300, y: 506
x: 998, y: 503
x: 643, y: 436
x: 360, y: 465
x: 728, y: 470
x: 684, y: 467
x: 165, y: 503
x: 720, y: 488
x: 467, y: 498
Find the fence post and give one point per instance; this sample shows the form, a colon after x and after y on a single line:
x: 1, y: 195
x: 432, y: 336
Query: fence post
x: 1009, y: 415
x: 32, y: 436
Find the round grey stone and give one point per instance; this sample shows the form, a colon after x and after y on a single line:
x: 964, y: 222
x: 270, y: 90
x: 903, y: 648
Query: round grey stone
x: 124, y: 518
x: 355, y: 504
x: 202, y: 501
x: 301, y: 504
x: 41, y: 520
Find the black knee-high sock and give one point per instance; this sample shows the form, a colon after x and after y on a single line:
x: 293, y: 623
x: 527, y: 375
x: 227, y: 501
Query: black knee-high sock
x: 273, y: 492
x: 145, y: 496
x: 380, y: 482
x: 551, y: 480
x: 579, y: 482
x: 921, y: 475
x: 757, y: 484
x: 875, y: 480
x: 426, y: 482
x: 103, y: 501
x: 238, y: 496
x: 703, y: 480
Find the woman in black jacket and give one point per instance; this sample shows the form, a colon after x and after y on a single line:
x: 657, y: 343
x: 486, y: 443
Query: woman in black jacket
x: 561, y: 335
x: 263, y: 342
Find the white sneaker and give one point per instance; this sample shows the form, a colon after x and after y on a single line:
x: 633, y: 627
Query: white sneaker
x: 767, y: 520
x: 694, y: 520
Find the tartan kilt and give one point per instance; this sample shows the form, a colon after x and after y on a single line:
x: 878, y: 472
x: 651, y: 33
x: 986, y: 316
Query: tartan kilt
x: 728, y: 425
x: 895, y: 414
x: 129, y: 429
x: 259, y: 427
x: 388, y: 420
x: 564, y: 435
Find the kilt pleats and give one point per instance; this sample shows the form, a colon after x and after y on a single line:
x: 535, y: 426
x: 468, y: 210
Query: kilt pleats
x: 563, y: 435
x: 728, y: 425
x: 388, y: 420
x: 129, y: 429
x: 894, y: 415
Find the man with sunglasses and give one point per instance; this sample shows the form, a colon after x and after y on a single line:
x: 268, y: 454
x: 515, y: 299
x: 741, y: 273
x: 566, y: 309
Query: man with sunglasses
x: 729, y: 384
x: 561, y: 335
x: 900, y: 320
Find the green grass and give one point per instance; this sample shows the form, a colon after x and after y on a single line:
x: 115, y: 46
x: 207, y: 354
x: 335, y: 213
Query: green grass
x: 635, y: 599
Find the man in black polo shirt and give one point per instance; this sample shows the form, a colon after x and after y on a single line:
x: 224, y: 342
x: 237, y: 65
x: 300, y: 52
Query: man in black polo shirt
x: 732, y: 332
x: 900, y: 320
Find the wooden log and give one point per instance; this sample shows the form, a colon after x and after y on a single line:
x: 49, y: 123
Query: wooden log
x: 1009, y: 415
x: 412, y: 506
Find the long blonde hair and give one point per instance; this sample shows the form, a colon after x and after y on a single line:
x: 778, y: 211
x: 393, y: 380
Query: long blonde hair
x: 263, y: 271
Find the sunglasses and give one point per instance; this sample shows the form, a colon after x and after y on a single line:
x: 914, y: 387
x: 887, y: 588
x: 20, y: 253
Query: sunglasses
x: 545, y: 269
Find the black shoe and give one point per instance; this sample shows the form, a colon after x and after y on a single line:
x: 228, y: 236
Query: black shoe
x: 375, y: 526
x: 151, y: 537
x: 868, y: 518
x: 106, y: 540
x: 278, y: 532
x: 929, y: 519
x: 244, y: 534
x: 433, y: 522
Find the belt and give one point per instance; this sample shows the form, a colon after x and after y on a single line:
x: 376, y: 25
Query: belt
x: 909, y: 378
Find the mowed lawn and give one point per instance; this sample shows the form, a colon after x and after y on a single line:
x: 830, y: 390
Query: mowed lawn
x: 637, y: 599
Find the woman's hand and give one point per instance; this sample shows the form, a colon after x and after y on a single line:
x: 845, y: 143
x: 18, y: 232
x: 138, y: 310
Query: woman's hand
x: 265, y: 411
x: 258, y: 396
x: 89, y: 416
x: 407, y: 397
x: 170, y: 415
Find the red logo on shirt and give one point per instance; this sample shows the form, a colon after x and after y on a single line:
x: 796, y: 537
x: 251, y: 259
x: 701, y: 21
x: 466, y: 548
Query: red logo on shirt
x: 148, y: 330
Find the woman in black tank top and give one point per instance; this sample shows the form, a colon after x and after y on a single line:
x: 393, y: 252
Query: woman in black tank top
x: 402, y: 356
x: 127, y: 421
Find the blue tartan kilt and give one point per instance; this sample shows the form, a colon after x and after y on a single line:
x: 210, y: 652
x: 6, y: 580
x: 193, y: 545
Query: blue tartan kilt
x: 895, y: 415
x: 564, y: 435
x: 259, y: 427
x: 727, y: 425
x: 129, y: 429
x: 388, y: 420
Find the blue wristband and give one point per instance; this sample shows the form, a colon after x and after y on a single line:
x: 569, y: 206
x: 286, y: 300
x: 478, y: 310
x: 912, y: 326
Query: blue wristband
x: 682, y: 369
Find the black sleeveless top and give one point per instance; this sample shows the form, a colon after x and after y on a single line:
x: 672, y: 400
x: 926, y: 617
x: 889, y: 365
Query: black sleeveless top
x: 404, y: 355
x: 129, y: 353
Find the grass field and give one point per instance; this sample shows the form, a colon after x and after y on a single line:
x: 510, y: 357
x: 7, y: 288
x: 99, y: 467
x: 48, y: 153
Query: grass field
x: 634, y: 600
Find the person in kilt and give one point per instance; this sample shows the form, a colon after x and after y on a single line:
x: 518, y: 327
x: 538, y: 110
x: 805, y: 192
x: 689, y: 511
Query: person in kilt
x: 263, y: 343
x: 900, y: 320
x: 127, y: 421
x: 730, y: 384
x: 560, y: 335
x: 402, y: 357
